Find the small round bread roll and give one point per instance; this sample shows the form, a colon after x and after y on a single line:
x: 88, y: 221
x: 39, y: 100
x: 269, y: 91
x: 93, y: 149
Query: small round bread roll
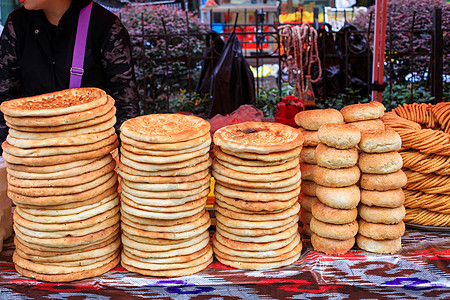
x: 334, y: 231
x: 332, y: 215
x: 307, y: 171
x: 308, y: 188
x: 305, y: 216
x: 379, y: 231
x: 383, y: 215
x: 336, y: 177
x: 313, y: 119
x: 306, y: 202
x: 331, y: 246
x: 379, y: 163
x: 333, y: 158
x: 380, y: 141
x: 307, y: 155
x: 341, y: 136
x: 390, y: 198
x: 369, y: 125
x: 363, y: 111
x: 379, y: 246
x: 310, y: 137
x: 383, y: 182
x: 339, y: 197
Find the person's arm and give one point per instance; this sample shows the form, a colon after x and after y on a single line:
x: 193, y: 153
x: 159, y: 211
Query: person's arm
x: 10, y: 83
x: 118, y: 65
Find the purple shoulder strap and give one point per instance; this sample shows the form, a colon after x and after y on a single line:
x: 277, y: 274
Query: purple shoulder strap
x: 76, y: 71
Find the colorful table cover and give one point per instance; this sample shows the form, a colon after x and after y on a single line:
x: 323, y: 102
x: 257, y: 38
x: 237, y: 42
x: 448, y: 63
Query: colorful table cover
x: 420, y: 271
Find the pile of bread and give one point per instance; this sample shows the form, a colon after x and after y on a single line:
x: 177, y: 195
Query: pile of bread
x: 61, y: 178
x: 356, y: 168
x: 257, y: 174
x: 165, y: 181
x: 424, y: 130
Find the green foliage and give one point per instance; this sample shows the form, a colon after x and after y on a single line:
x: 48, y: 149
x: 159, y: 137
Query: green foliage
x: 392, y: 97
x: 268, y: 98
x: 185, y: 102
x: 166, y: 42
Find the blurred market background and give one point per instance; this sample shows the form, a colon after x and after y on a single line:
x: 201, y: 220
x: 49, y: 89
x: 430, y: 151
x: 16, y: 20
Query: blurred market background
x: 178, y: 45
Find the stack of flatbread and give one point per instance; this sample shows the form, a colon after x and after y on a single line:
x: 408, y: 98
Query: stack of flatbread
x: 165, y: 179
x: 257, y: 175
x: 61, y: 178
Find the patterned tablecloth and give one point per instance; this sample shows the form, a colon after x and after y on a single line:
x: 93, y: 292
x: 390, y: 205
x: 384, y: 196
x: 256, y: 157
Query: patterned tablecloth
x: 420, y: 271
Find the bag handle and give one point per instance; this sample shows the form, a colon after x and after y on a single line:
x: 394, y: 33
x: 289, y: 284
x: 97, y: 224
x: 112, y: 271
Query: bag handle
x: 76, y: 71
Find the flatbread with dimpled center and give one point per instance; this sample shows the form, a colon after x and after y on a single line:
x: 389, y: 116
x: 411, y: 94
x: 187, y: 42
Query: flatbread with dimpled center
x: 164, y: 128
x: 258, y: 137
x: 56, y: 103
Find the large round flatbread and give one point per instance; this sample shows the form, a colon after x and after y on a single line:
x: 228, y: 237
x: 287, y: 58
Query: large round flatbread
x: 167, y: 186
x: 50, y: 211
x: 253, y: 162
x: 161, y: 222
x: 61, y: 158
x: 266, y: 183
x: 66, y: 182
x: 275, y: 157
x: 168, y: 266
x: 134, y: 149
x: 281, y: 257
x: 164, y: 194
x: 256, y: 254
x: 68, y: 133
x: 289, y: 165
x: 149, y: 167
x: 95, y: 240
x: 72, y: 232
x: 255, y: 177
x: 95, y: 194
x: 170, y: 146
x: 82, y: 139
x: 163, y: 159
x: 255, y: 206
x: 165, y: 235
x: 204, y: 219
x: 252, y: 246
x: 258, y: 137
x: 62, y: 190
x: 289, y: 212
x: 164, y: 179
x: 168, y: 273
x: 170, y: 202
x: 261, y: 265
x: 165, y: 128
x: 99, y: 251
x: 166, y: 209
x: 160, y: 215
x: 166, y: 254
x: 72, y: 276
x: 259, y: 239
x: 70, y: 242
x: 56, y: 103
x: 256, y: 196
x: 89, y: 167
x: 107, y: 114
x: 183, y: 171
x: 168, y: 260
x: 58, y: 150
x: 63, y: 119
x: 256, y: 232
x: 109, y: 205
x: 160, y: 248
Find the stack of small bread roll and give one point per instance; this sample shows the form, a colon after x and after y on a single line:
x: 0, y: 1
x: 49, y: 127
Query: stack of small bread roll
x: 334, y: 224
x: 310, y: 121
x: 381, y: 209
